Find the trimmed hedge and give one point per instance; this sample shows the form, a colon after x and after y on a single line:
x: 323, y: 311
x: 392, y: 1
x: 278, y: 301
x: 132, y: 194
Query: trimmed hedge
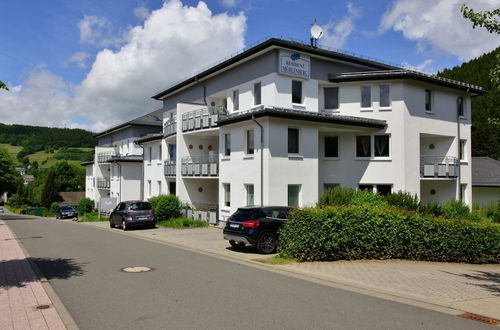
x: 368, y: 232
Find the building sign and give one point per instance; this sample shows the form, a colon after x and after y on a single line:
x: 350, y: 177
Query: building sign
x: 294, y: 64
x: 107, y: 205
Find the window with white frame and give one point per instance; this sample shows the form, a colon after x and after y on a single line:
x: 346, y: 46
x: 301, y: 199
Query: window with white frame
x: 249, y: 188
x: 257, y: 93
x: 236, y: 99
x: 227, y: 144
x: 385, y: 96
x: 460, y: 106
x: 293, y: 195
x: 297, y: 91
x: 249, y: 142
x: 462, y: 150
x: 331, y: 146
x: 428, y: 100
x: 382, y: 189
x: 159, y: 153
x: 369, y: 146
x: 293, y: 140
x: 363, y: 146
x: 381, y: 143
x: 331, y: 98
x: 366, y: 97
x: 227, y: 194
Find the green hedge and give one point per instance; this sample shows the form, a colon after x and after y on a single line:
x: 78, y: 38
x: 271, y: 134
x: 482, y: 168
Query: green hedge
x: 368, y: 232
x: 166, y: 207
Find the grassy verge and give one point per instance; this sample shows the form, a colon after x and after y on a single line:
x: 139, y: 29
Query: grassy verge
x: 13, y: 209
x: 277, y: 260
x: 182, y: 223
x: 92, y: 217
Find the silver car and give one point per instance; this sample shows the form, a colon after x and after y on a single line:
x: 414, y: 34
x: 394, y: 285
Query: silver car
x: 131, y: 214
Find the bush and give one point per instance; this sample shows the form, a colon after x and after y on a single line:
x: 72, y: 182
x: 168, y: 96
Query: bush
x: 53, y: 207
x: 403, y: 200
x: 182, y: 223
x: 431, y: 209
x: 92, y: 217
x: 85, y: 205
x: 362, y: 197
x: 367, y: 232
x: 166, y: 207
x: 492, y: 211
x: 455, y: 210
x: 337, y: 196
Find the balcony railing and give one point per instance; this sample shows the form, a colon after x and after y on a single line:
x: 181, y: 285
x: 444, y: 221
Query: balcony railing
x: 439, y: 167
x: 169, y: 168
x: 103, y: 183
x: 201, y: 119
x: 200, y: 166
x: 202, y: 212
x: 170, y: 127
x: 104, y: 157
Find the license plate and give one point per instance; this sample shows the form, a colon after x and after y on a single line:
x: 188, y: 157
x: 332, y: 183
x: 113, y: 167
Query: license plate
x: 234, y: 225
x: 141, y: 218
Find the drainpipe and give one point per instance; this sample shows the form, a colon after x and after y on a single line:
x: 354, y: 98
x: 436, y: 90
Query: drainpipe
x: 261, y: 161
x: 142, y: 172
x: 120, y: 180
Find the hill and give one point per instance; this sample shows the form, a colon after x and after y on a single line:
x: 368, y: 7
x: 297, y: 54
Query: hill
x: 485, y: 108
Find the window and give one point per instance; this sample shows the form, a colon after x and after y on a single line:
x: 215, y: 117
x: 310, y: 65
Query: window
x: 150, y: 149
x: 384, y: 189
x: 159, y: 187
x: 367, y: 187
x: 366, y: 97
x: 159, y: 153
x: 327, y: 186
x: 236, y: 100
x: 331, y: 97
x: 227, y: 144
x: 385, y: 96
x: 224, y: 103
x: 296, y: 91
x: 250, y: 194
x: 363, y: 146
x: 250, y: 142
x: 381, y: 145
x: 428, y: 100
x: 293, y: 195
x: 171, y: 187
x: 256, y: 93
x: 149, y: 188
x: 462, y: 149
x: 331, y: 146
x: 460, y: 106
x: 293, y: 140
x: 172, y: 152
x: 227, y: 194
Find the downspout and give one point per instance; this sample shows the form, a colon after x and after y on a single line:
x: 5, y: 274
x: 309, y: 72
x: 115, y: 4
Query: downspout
x: 261, y: 161
x: 120, y: 180
x: 142, y: 172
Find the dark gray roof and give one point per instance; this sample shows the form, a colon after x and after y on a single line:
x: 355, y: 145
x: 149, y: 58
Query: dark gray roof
x: 130, y: 158
x: 485, y: 172
x: 301, y: 115
x: 404, y: 74
x: 90, y: 162
x: 149, y: 137
x: 154, y: 118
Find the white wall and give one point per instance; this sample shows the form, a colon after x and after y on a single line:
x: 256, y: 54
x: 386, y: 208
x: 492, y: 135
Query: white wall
x: 485, y: 195
x: 154, y: 170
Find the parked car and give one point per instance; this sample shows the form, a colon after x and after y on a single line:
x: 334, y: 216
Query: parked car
x: 65, y: 212
x: 131, y: 214
x: 256, y: 226
x: 1, y: 209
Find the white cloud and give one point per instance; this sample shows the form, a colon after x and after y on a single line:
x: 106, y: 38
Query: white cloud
x: 80, y: 59
x: 141, y: 12
x: 98, y: 31
x: 425, y: 66
x: 335, y: 34
x: 173, y: 42
x: 229, y: 3
x: 438, y: 24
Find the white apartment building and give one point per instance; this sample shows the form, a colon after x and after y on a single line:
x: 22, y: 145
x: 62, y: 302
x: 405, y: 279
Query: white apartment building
x: 282, y: 121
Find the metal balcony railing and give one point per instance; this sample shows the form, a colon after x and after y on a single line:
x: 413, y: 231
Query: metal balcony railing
x: 104, y: 157
x: 202, y: 212
x: 201, y: 119
x: 170, y: 127
x: 200, y: 166
x: 439, y: 167
x: 170, y: 168
x: 103, y: 183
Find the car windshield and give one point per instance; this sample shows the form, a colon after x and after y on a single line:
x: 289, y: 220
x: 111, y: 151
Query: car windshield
x: 140, y: 206
x: 247, y: 214
x: 66, y: 208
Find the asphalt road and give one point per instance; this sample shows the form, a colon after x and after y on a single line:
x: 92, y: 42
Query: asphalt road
x: 187, y: 290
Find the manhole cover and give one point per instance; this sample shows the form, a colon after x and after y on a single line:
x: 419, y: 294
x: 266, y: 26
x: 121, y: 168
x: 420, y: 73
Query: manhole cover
x: 42, y: 306
x: 479, y: 318
x: 136, y: 269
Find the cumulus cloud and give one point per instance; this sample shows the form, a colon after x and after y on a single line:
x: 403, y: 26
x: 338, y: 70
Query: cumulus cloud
x: 335, y: 34
x: 79, y: 59
x: 425, y: 66
x: 98, y: 31
x: 438, y: 24
x: 141, y: 12
x: 229, y: 3
x: 172, y: 43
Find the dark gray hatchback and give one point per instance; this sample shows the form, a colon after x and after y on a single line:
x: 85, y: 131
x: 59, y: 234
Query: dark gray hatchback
x: 131, y: 214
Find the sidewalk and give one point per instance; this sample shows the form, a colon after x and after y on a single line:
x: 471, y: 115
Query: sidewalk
x: 21, y: 290
x: 459, y: 287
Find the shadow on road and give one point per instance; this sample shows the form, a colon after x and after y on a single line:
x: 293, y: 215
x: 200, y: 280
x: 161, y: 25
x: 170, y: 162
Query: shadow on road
x: 17, y: 273
x: 491, y: 280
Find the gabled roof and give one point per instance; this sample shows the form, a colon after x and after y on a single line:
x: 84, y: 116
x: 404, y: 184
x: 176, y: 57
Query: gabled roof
x: 485, y: 172
x: 405, y: 74
x: 149, y: 137
x: 301, y: 115
x: 154, y: 118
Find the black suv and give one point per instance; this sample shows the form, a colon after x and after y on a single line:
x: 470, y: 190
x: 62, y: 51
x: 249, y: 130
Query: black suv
x: 257, y: 226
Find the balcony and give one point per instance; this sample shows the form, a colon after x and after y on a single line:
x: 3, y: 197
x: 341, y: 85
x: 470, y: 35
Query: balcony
x: 201, y: 119
x: 440, y: 167
x: 200, y: 166
x: 170, y: 127
x: 169, y: 168
x: 103, y: 183
x: 104, y: 157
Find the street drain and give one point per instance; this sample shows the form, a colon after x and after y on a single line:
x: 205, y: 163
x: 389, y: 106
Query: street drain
x: 42, y: 306
x: 479, y: 318
x: 137, y: 269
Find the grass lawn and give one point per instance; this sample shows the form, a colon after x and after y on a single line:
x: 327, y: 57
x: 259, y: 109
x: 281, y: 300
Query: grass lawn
x: 41, y: 156
x: 13, y: 151
x: 182, y: 223
x: 92, y: 217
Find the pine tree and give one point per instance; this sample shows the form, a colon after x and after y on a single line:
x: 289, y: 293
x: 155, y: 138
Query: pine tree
x: 50, y: 191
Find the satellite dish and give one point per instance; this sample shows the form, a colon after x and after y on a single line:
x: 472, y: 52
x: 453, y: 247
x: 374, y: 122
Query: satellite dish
x: 316, y: 31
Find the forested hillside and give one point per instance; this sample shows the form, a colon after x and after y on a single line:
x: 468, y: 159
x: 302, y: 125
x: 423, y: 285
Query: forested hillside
x: 485, y: 108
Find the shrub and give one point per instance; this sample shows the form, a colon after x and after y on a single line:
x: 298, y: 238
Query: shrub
x: 53, y: 207
x: 403, y: 200
x: 337, y: 196
x: 85, y: 205
x: 431, y: 209
x: 182, y: 223
x: 167, y: 207
x: 367, y: 232
x: 492, y: 211
x: 455, y: 210
x: 368, y: 197
x: 92, y: 217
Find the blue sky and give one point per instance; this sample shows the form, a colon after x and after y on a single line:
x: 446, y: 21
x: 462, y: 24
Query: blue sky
x: 48, y: 48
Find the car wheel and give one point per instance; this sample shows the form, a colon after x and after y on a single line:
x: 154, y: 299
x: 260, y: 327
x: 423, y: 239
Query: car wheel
x: 237, y: 245
x: 57, y: 217
x: 266, y: 243
x: 124, y: 225
x: 111, y: 224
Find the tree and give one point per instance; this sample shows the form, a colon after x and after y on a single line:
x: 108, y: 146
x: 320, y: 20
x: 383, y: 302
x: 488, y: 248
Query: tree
x: 3, y: 86
x: 9, y: 177
x: 50, y: 191
x: 69, y: 177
